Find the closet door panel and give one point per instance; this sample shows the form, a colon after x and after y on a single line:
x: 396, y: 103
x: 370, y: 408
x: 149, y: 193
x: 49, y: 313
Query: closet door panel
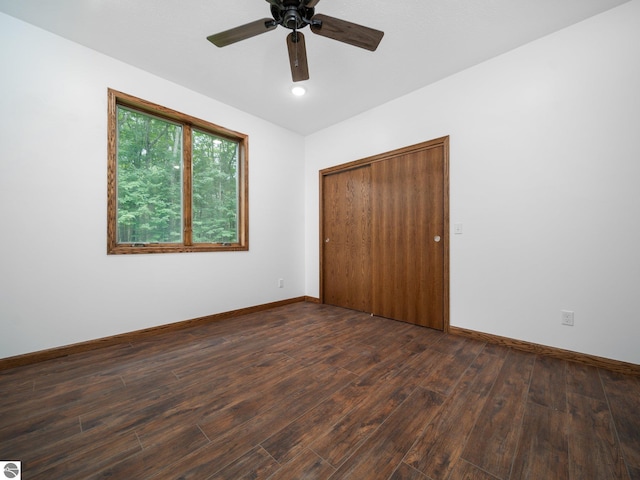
x: 346, y: 239
x: 408, y: 237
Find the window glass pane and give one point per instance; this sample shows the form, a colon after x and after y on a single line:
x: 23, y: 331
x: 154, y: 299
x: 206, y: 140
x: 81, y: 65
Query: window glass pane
x: 215, y: 189
x: 149, y: 179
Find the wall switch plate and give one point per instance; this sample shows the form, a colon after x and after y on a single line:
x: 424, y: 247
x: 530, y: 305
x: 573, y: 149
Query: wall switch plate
x: 280, y: 283
x: 567, y: 317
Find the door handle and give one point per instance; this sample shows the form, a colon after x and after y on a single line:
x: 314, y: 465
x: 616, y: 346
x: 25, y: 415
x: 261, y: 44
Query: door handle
x: 326, y: 240
x: 436, y: 238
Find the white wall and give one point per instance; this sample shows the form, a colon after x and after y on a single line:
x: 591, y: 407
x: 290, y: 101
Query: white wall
x: 57, y: 285
x: 545, y: 177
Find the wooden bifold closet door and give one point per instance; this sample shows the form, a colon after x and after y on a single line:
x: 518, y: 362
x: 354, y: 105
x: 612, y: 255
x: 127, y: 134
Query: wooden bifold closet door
x: 384, y: 227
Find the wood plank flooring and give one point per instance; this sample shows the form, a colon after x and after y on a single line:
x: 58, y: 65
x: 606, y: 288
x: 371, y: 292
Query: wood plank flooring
x: 309, y: 391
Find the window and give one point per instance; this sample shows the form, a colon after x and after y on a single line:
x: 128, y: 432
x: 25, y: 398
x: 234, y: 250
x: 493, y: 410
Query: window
x: 175, y: 183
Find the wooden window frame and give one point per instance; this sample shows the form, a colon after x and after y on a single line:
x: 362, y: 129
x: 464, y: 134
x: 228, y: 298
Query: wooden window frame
x: 188, y: 123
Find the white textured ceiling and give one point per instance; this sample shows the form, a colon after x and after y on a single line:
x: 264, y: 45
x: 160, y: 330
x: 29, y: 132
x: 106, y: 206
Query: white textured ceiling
x: 425, y: 41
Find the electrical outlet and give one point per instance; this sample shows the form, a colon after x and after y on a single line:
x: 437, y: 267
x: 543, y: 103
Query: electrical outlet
x: 567, y: 317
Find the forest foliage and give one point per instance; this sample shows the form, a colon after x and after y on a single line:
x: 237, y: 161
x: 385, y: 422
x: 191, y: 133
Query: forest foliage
x: 150, y: 186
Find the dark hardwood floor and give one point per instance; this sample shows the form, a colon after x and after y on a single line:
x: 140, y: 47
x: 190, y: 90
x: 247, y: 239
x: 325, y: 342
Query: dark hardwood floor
x: 309, y: 391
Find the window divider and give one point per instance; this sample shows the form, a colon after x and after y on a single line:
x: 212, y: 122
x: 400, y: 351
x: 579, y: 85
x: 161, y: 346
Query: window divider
x: 187, y: 185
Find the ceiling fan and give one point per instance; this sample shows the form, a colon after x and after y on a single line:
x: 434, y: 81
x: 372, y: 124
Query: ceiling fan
x: 295, y: 15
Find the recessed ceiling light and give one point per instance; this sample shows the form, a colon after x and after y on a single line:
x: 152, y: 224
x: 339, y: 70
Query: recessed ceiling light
x: 298, y: 90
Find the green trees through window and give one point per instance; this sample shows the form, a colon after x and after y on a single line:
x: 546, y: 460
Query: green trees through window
x: 176, y: 183
x: 215, y: 188
x: 149, y: 176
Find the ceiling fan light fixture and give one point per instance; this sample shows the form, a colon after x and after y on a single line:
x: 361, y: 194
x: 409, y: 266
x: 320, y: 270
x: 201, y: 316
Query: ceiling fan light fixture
x: 298, y: 90
x: 292, y: 19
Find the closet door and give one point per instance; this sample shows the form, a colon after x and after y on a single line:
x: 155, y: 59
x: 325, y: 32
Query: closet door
x: 409, y: 237
x: 384, y: 235
x: 346, y: 239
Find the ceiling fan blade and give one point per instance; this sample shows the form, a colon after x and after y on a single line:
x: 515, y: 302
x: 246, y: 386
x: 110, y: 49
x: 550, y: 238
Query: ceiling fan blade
x: 297, y: 56
x: 311, y: 3
x: 347, y: 32
x: 242, y: 32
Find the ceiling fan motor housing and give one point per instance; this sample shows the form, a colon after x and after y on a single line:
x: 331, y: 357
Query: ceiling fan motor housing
x: 292, y: 14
